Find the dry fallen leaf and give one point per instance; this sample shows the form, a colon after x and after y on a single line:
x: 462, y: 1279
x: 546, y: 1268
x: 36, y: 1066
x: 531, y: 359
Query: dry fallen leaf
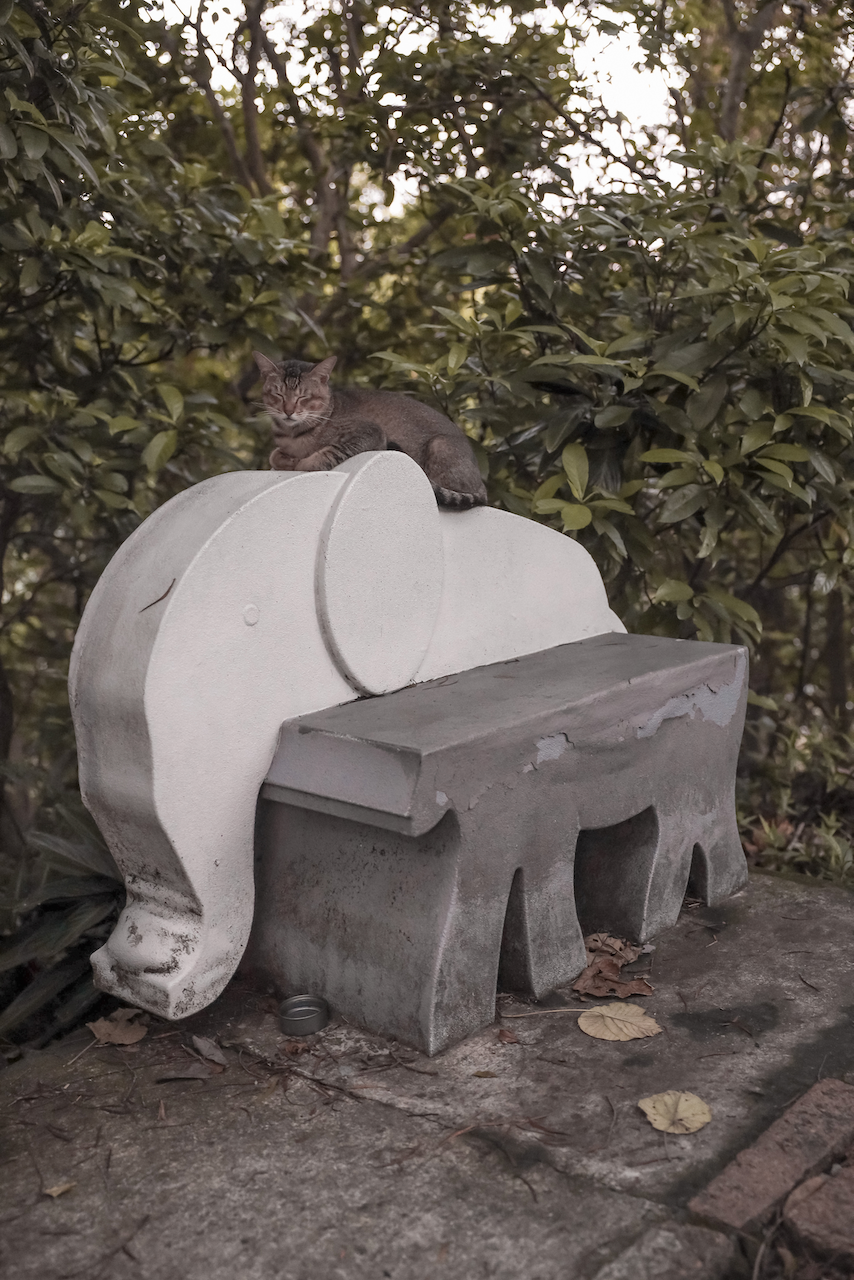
x: 675, y: 1111
x: 506, y: 1036
x: 605, y: 944
x: 485, y: 1075
x: 606, y: 956
x: 119, y: 1028
x: 60, y: 1189
x: 618, y: 1022
x: 209, y: 1049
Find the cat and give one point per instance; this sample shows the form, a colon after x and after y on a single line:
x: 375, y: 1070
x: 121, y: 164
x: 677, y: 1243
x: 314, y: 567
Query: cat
x: 316, y: 426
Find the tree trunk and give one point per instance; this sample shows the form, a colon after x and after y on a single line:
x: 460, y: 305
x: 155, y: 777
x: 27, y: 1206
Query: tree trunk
x: 836, y: 657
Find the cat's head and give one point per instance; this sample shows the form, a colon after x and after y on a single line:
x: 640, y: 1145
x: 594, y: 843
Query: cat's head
x: 295, y: 393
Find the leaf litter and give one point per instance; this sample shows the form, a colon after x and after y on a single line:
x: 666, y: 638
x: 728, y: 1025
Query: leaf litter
x: 606, y: 958
x: 120, y: 1027
x: 676, y: 1111
x: 618, y: 1022
x: 209, y: 1049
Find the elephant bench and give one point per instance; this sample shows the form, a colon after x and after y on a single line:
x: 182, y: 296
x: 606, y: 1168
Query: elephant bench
x: 474, y: 754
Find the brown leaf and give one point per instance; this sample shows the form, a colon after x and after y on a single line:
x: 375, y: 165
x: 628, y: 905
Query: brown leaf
x: 618, y: 1022
x: 605, y: 944
x: 602, y: 978
x: 60, y: 1189
x: 676, y: 1111
x: 209, y: 1049
x: 118, y: 1028
x: 508, y: 1037
x: 485, y: 1075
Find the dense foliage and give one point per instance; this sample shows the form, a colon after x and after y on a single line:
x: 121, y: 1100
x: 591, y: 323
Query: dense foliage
x: 660, y: 367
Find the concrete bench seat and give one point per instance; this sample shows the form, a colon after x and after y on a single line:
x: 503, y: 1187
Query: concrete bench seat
x: 413, y: 848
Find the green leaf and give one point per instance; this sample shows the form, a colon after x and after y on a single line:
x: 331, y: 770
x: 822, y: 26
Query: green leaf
x: 35, y: 141
x: 759, y: 700
x: 160, y: 449
x: 68, y: 889
x: 786, y: 452
x: 714, y: 469
x: 614, y: 416
x: 35, y: 484
x: 121, y: 422
x: 752, y: 404
x: 683, y: 503
x: 19, y: 438
x: 8, y: 143
x: 673, y: 589
x: 457, y: 356
x: 173, y: 400
x: 703, y: 406
x: 45, y: 987
x: 664, y: 371
x: 823, y: 465
x: 779, y: 468
x: 666, y: 455
x: 30, y: 273
x: 574, y: 459
x: 54, y: 933
x: 549, y: 488
x: 575, y: 516
x: 795, y: 346
x: 114, y: 500
x: 739, y: 607
x: 755, y: 436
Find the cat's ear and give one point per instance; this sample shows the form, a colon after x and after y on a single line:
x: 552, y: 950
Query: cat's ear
x: 265, y: 365
x: 322, y: 371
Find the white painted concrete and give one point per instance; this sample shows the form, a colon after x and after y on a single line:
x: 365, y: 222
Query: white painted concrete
x: 250, y: 599
x: 379, y: 571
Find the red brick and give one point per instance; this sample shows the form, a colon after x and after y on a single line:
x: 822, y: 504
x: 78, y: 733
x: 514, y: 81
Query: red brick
x: 817, y: 1127
x: 825, y: 1219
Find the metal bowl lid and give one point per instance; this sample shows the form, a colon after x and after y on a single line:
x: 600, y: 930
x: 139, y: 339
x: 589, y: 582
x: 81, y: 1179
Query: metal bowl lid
x: 303, y: 1015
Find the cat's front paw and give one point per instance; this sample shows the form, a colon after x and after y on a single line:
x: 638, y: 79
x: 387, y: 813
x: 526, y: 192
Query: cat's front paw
x: 314, y: 462
x: 282, y: 461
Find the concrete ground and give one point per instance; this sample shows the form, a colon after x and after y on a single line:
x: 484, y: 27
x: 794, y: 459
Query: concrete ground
x: 349, y: 1156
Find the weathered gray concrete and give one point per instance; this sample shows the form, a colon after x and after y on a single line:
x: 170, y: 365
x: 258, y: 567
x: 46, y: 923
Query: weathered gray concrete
x: 494, y: 1159
x: 414, y: 847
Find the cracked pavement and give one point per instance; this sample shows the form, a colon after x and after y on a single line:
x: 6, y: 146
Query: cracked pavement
x: 350, y: 1156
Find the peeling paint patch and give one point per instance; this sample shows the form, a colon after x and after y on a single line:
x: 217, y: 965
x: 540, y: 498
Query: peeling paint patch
x: 717, y: 705
x: 551, y: 748
x: 528, y: 768
x: 441, y: 798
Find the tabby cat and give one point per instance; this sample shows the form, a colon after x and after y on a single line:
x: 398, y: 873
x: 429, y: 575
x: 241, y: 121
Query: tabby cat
x: 316, y: 426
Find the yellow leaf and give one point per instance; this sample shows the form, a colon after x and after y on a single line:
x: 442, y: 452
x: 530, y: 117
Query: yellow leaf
x: 618, y: 1022
x: 675, y: 1111
x: 60, y: 1189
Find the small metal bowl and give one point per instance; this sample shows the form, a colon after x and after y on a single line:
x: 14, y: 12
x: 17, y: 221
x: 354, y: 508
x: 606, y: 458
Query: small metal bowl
x: 303, y: 1015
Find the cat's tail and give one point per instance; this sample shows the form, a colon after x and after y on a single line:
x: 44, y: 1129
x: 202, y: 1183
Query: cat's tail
x: 455, y: 501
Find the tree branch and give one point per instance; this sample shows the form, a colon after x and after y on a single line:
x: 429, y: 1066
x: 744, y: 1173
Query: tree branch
x: 743, y: 43
x: 248, y: 87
